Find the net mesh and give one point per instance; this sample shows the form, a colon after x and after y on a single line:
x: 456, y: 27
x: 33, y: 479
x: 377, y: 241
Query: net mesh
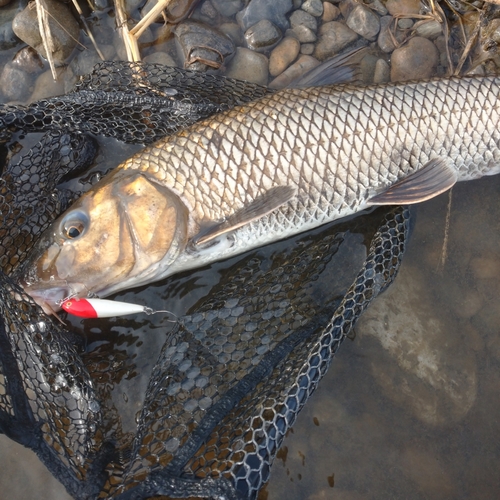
x: 232, y: 374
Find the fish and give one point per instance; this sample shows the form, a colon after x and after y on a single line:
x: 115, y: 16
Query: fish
x: 264, y: 171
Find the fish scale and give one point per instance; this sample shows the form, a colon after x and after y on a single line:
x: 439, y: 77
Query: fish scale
x: 338, y: 145
x: 266, y: 170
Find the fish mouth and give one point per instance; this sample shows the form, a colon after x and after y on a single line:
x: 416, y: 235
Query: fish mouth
x: 50, y: 295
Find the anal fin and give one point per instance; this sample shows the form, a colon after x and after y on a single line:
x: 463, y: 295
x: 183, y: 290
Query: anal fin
x: 435, y: 177
x: 261, y: 206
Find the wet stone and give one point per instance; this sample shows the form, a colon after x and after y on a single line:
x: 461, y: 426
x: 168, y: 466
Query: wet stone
x: 14, y: 83
x: 303, y: 64
x: 330, y: 12
x: 208, y: 11
x: 283, y: 55
x: 333, y: 37
x: 233, y: 31
x: 201, y: 46
x: 28, y: 60
x: 378, y: 7
x: 405, y: 23
x: 262, y: 35
x: 403, y: 7
x: 228, y: 8
x: 248, y: 65
x: 304, y: 34
x: 313, y: 7
x: 257, y: 10
x: 160, y: 58
x: 431, y: 29
x: 364, y: 22
x: 301, y: 18
x: 7, y: 37
x: 387, y: 33
x: 307, y: 48
x: 382, y: 73
x: 64, y: 28
x: 415, y: 60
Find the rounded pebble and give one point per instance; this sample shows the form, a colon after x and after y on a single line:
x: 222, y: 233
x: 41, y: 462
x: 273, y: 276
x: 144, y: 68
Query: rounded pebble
x: 415, y: 60
x: 228, y: 8
x: 403, y: 7
x: 13, y: 83
x: 283, y: 55
x: 313, y: 7
x: 333, y: 37
x: 382, y: 73
x: 307, y: 48
x: 302, y: 18
x: 303, y: 64
x: 364, y: 22
x: 387, y: 34
x: 330, y: 12
x: 28, y: 60
x: 248, y: 65
x: 304, y: 34
x: 262, y: 35
x: 64, y: 28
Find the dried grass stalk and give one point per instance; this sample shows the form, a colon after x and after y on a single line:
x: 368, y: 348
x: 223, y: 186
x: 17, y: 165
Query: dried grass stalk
x: 130, y: 41
x: 47, y: 40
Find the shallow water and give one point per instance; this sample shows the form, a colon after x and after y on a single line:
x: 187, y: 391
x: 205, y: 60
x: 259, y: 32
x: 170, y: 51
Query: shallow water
x: 409, y: 408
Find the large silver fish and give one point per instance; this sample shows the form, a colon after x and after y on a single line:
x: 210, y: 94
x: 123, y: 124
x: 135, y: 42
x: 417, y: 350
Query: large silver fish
x: 286, y: 163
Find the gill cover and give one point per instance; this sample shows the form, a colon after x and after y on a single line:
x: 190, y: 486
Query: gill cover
x: 116, y: 236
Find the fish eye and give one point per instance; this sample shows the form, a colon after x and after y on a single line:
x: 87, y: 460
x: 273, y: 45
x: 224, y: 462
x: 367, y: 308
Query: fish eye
x: 74, y: 224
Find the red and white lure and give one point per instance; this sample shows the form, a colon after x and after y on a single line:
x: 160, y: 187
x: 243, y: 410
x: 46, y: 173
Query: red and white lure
x: 101, y: 308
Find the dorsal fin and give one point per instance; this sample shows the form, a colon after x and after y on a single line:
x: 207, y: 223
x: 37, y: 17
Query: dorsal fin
x: 436, y: 177
x: 261, y: 206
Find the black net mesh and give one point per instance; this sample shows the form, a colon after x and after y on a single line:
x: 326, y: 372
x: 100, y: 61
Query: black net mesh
x: 232, y: 374
x: 133, y: 102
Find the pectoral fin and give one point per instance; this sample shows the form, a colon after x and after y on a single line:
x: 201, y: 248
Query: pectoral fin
x: 261, y: 206
x: 436, y: 177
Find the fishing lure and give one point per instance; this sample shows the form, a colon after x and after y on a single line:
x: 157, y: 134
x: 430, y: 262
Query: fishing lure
x: 101, y: 308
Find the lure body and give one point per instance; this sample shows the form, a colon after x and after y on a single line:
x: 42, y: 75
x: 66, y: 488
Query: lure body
x: 101, y: 308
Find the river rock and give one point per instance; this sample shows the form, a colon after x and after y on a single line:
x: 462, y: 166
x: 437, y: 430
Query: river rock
x: 14, y: 83
x: 364, y: 22
x: 387, y: 33
x: 330, y: 12
x: 382, y: 73
x: 228, y: 8
x: 333, y: 37
x: 302, y: 18
x: 257, y: 10
x: 313, y: 7
x: 403, y: 7
x: 46, y: 86
x: 304, y: 34
x: 303, y: 64
x: 248, y: 65
x: 160, y: 58
x: 7, y: 37
x: 307, y: 48
x: 378, y: 7
x: 28, y: 60
x: 262, y: 35
x: 233, y: 31
x: 64, y: 28
x: 431, y: 29
x: 415, y: 60
x: 201, y: 46
x: 405, y: 23
x: 283, y: 55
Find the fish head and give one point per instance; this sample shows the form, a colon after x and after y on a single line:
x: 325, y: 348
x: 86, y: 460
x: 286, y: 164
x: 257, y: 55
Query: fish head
x: 123, y: 233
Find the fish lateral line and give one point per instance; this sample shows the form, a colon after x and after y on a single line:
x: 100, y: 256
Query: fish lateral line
x: 103, y: 308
